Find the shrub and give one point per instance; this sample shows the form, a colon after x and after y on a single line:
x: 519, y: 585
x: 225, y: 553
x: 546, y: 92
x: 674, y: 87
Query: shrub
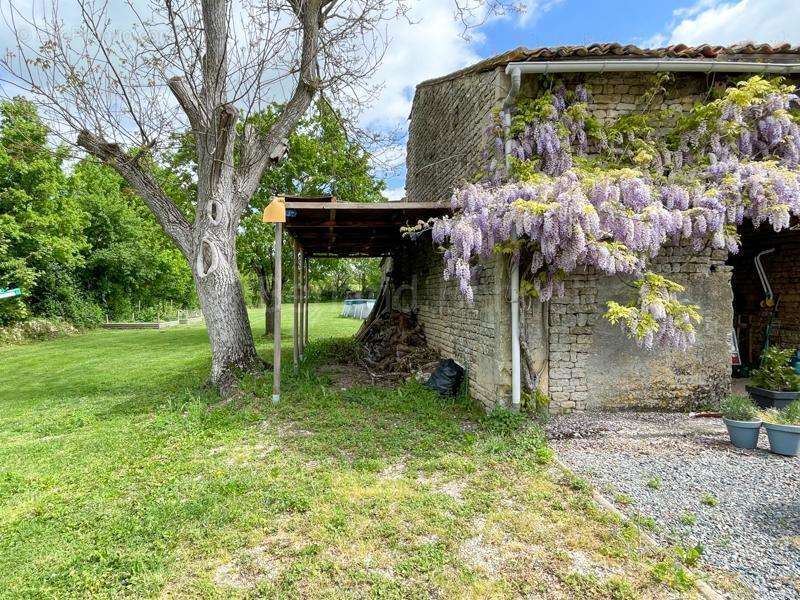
x: 738, y: 408
x: 35, y: 330
x: 84, y: 313
x: 788, y: 416
x: 776, y: 373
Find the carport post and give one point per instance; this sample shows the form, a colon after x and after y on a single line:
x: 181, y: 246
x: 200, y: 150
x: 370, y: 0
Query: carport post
x: 301, y: 297
x: 276, y: 331
x: 305, y: 316
x: 295, y: 301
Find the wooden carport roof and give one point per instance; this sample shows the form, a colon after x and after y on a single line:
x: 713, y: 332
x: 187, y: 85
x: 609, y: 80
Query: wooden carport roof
x: 328, y: 227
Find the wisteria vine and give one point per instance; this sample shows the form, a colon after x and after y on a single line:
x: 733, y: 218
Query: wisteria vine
x: 610, y: 197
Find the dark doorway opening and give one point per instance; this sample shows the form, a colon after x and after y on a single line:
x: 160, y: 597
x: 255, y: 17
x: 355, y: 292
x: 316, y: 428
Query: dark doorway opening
x: 766, y: 307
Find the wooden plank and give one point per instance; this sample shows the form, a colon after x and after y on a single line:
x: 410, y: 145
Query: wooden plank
x: 305, y: 317
x: 367, y: 206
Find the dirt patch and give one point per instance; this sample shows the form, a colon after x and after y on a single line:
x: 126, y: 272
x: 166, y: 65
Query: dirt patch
x: 249, y: 568
x: 347, y: 376
x: 478, y: 553
x: 394, y: 472
x: 453, y: 488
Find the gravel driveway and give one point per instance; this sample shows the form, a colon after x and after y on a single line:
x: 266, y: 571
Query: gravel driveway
x: 743, y: 506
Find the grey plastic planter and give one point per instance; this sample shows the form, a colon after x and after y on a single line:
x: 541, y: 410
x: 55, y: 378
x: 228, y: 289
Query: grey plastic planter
x: 771, y: 399
x: 783, y: 439
x: 743, y: 434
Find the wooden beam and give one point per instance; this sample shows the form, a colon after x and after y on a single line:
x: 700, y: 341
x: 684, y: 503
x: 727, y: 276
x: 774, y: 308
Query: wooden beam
x: 345, y: 225
x: 368, y: 206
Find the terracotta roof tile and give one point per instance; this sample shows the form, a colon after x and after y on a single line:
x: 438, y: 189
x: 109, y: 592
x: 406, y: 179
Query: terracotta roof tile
x: 748, y: 51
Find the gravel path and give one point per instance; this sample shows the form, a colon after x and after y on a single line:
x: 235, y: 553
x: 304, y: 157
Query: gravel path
x: 672, y: 468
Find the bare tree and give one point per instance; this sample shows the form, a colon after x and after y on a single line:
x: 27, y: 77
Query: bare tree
x: 203, y: 65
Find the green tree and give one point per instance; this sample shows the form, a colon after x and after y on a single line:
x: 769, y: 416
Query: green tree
x: 108, y: 92
x: 42, y: 238
x: 130, y: 264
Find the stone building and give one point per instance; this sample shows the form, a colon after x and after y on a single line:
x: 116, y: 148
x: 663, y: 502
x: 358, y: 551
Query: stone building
x: 583, y: 362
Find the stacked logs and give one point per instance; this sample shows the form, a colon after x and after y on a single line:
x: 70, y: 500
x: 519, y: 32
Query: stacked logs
x: 394, y: 342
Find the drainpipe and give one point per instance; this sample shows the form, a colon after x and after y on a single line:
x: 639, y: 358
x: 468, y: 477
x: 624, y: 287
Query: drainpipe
x: 516, y: 371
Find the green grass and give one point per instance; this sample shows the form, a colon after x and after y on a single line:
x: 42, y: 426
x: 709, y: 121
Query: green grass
x: 120, y: 476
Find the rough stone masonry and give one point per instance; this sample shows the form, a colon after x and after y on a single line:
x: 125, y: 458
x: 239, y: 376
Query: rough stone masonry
x: 580, y: 360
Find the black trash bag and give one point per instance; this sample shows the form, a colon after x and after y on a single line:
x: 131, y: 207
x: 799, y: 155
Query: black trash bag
x: 446, y: 379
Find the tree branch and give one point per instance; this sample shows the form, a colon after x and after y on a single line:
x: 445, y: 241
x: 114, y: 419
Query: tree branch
x: 168, y: 215
x: 185, y: 96
x: 258, y: 149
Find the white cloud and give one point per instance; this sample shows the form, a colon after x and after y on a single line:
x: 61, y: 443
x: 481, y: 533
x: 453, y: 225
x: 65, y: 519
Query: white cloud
x: 429, y: 44
x: 719, y: 22
x: 394, y: 194
x: 531, y: 10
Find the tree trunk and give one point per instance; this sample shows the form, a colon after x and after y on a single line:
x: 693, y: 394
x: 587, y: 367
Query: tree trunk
x: 266, y: 296
x: 232, y: 348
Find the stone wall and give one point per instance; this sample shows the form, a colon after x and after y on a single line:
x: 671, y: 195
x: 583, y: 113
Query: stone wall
x: 581, y: 361
x: 477, y: 335
x: 593, y: 365
x: 615, y: 94
x: 446, y: 136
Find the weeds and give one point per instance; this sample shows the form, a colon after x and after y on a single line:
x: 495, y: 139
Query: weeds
x: 709, y: 499
x: 689, y: 555
x: 623, y: 499
x: 673, y: 574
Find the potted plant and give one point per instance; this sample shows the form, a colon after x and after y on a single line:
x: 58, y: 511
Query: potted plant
x: 740, y: 416
x: 783, y: 429
x: 775, y: 384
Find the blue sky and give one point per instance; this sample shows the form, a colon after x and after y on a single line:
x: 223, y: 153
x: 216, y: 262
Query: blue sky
x: 562, y: 22
x: 583, y: 22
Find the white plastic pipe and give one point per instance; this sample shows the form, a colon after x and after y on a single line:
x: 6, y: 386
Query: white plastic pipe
x: 678, y: 65
x: 762, y: 275
x: 516, y: 370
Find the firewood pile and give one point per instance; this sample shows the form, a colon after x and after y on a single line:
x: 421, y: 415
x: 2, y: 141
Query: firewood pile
x: 394, y: 345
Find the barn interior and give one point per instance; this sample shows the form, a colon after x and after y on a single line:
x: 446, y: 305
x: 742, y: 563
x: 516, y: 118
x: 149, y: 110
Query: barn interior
x: 766, y: 293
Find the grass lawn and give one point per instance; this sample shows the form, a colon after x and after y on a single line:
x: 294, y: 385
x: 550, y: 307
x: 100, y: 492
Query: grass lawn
x: 120, y: 477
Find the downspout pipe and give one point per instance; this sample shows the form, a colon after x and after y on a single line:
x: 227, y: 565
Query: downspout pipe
x: 516, y: 370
